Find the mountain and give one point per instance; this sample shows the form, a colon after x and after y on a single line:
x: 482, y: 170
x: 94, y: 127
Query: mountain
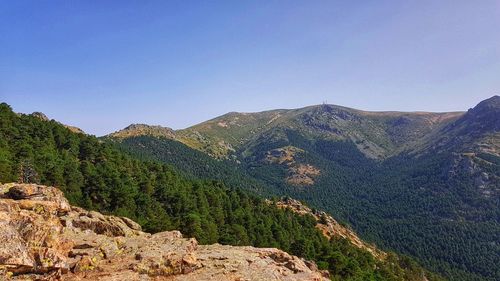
x: 423, y: 184
x: 377, y: 135
x: 100, y: 176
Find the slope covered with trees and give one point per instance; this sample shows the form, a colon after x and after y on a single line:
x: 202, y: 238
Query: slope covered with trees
x: 393, y: 203
x: 413, y: 206
x: 97, y: 175
x: 423, y: 184
x: 190, y: 162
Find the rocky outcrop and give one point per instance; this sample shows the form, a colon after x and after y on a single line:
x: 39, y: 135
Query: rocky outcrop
x: 329, y: 226
x: 74, y: 129
x: 40, y: 116
x: 43, y: 237
x: 482, y: 171
x: 298, y: 174
x: 135, y: 130
x: 302, y: 174
x: 44, y: 117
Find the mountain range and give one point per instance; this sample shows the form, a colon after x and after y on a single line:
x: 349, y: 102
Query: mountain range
x: 378, y: 135
x: 423, y: 184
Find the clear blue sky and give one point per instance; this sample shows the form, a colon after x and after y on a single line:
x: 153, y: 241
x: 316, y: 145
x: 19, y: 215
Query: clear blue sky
x: 101, y: 65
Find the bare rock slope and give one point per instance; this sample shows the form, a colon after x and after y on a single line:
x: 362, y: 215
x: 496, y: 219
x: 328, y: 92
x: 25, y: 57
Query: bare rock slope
x: 42, y: 237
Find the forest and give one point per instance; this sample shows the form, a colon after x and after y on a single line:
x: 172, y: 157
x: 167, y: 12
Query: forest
x: 404, y: 204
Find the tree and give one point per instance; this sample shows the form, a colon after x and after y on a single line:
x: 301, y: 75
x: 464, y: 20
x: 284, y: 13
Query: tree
x: 27, y: 173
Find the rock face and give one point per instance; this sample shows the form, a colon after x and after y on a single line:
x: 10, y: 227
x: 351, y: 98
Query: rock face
x: 43, y: 237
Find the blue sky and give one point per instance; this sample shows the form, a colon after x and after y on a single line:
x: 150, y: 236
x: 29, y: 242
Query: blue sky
x: 101, y: 65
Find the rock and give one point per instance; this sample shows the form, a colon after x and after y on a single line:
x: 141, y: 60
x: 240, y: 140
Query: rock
x: 100, y: 224
x: 44, y: 238
x: 164, y: 254
x: 74, y: 129
x: 132, y: 224
x: 40, y: 116
x: 44, y: 117
x: 31, y: 195
x: 14, y: 254
x: 219, y: 262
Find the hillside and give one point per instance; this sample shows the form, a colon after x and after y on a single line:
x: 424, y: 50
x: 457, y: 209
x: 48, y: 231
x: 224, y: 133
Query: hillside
x: 329, y: 226
x: 477, y: 131
x: 190, y: 162
x: 99, y: 176
x: 423, y: 184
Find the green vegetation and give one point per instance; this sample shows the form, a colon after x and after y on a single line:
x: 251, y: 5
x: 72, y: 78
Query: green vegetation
x: 392, y: 203
x: 411, y: 205
x: 97, y: 175
x: 421, y: 184
x: 191, y: 163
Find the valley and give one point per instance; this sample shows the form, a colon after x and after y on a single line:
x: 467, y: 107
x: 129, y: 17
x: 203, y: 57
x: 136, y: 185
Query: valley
x: 423, y: 184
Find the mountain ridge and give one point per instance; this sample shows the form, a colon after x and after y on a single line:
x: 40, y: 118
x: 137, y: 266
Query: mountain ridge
x: 199, y: 136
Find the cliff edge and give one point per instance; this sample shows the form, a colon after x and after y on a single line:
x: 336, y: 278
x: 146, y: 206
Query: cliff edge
x: 43, y: 237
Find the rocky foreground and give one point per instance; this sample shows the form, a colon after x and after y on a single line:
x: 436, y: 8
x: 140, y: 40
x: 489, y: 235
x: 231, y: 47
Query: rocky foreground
x: 43, y: 237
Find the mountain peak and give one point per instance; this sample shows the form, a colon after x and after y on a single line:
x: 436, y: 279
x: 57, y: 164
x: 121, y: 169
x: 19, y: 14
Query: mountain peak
x: 40, y: 115
x: 487, y: 111
x: 134, y: 130
x: 477, y: 130
x: 138, y: 126
x: 43, y: 117
x: 489, y: 104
